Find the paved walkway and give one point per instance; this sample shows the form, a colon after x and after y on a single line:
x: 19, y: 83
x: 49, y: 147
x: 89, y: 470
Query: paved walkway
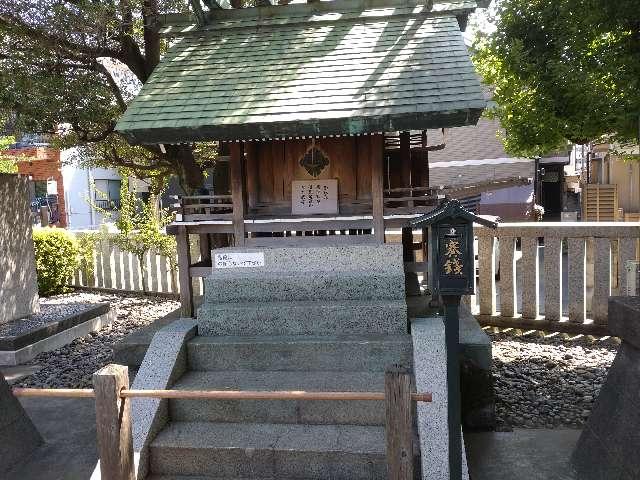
x: 68, y: 427
x: 524, y: 454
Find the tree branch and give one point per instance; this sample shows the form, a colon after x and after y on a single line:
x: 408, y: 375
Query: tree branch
x: 112, y: 84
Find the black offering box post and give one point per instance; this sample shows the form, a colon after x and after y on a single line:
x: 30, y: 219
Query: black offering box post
x: 452, y: 275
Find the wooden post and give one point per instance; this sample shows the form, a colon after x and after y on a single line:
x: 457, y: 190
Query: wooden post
x: 113, y: 423
x: 237, y: 193
x: 184, y: 263
x: 398, y: 385
x: 377, y: 186
x: 205, y: 247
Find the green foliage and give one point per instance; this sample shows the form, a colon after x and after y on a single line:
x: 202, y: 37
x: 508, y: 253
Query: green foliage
x: 7, y: 163
x: 140, y: 227
x: 563, y: 70
x: 56, y: 259
x: 87, y: 243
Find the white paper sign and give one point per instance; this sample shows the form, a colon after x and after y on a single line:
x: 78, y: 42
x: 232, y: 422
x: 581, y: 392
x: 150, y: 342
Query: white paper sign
x: 314, y: 196
x: 238, y: 260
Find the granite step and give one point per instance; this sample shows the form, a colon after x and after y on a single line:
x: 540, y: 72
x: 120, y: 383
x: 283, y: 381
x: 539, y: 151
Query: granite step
x: 231, y: 450
x: 281, y: 411
x: 270, y: 286
x: 304, y: 318
x: 341, y: 353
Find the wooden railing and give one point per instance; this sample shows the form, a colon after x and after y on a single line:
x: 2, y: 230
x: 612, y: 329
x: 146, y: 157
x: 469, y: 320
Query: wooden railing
x: 595, y: 254
x: 114, y: 424
x: 203, y: 207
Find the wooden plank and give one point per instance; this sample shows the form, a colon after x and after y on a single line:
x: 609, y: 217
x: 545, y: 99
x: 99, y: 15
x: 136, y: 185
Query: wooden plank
x: 237, y: 191
x: 508, y: 300
x: 487, y: 279
x: 577, y: 280
x: 398, y: 386
x: 113, y: 423
x: 154, y: 275
x: 363, y: 168
x: 184, y: 262
x: 601, y: 280
x: 312, y: 240
x: 377, y: 185
x: 553, y: 278
x: 264, y: 165
x: 252, y: 174
x: 530, y: 277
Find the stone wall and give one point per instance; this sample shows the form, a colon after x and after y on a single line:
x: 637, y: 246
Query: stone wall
x: 18, y: 281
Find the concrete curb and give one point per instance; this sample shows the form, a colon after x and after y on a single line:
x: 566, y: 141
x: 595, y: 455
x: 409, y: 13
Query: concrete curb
x: 63, y: 337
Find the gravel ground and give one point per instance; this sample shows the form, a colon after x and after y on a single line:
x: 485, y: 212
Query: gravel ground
x: 50, y: 311
x: 73, y: 365
x: 548, y: 381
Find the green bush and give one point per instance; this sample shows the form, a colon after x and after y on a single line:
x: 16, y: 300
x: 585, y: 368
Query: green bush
x: 56, y: 259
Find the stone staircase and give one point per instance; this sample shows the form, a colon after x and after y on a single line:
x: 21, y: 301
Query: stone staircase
x: 322, y: 319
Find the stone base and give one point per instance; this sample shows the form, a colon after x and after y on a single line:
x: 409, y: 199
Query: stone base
x: 19, y: 436
x: 609, y: 444
x: 63, y: 337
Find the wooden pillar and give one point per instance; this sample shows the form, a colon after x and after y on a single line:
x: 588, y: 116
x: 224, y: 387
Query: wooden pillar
x: 113, y: 423
x: 184, y: 263
x: 398, y: 386
x: 205, y: 247
x: 237, y: 192
x: 377, y: 186
x: 252, y: 174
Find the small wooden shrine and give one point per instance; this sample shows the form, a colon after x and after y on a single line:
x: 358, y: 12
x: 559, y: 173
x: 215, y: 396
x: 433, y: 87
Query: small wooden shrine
x: 321, y: 110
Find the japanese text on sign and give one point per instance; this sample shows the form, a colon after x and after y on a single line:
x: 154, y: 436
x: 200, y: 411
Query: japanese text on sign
x: 238, y: 260
x: 314, y: 196
x: 453, y: 257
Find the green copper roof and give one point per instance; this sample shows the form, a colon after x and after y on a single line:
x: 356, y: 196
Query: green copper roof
x: 301, y: 70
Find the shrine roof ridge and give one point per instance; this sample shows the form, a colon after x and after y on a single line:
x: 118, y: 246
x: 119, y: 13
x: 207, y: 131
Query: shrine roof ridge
x: 454, y: 209
x: 322, y: 11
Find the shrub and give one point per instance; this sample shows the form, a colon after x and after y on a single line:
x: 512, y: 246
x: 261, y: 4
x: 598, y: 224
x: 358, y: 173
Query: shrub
x: 56, y: 259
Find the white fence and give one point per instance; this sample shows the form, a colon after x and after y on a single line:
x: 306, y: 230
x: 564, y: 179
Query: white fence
x: 114, y: 269
x: 583, y: 264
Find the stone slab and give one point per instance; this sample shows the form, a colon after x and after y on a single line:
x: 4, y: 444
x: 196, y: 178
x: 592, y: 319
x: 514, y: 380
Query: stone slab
x: 624, y: 319
x: 268, y: 286
x: 339, y: 452
x: 367, y: 258
x: 164, y: 362
x: 19, y: 436
x: 430, y: 367
x: 57, y: 340
x: 281, y: 411
x: 131, y: 349
x: 18, y: 280
x: 346, y: 353
x: 304, y: 318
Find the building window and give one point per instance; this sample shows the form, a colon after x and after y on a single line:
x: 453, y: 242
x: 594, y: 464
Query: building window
x: 107, y: 194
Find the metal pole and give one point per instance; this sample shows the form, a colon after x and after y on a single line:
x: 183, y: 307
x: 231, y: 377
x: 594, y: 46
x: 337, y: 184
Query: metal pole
x: 452, y: 336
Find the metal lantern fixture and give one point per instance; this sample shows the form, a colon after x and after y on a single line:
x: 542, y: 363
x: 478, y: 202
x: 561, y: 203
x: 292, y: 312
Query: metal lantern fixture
x: 452, y: 271
x: 452, y: 253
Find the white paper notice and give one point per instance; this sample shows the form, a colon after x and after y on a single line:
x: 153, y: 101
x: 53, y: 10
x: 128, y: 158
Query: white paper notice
x: 238, y: 260
x: 314, y: 196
